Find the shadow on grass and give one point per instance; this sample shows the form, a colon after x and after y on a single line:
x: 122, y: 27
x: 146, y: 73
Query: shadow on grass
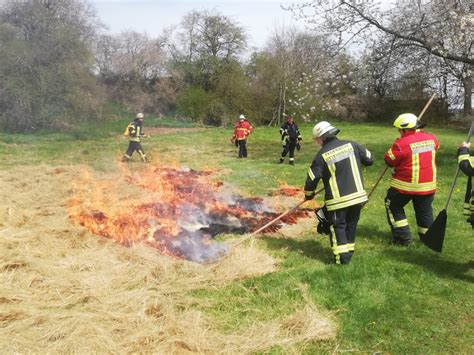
x: 374, y: 233
x: 317, y: 248
x: 432, y: 263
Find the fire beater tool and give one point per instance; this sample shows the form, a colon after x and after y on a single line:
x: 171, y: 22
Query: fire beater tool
x: 273, y: 221
x: 434, y: 237
x: 386, y: 168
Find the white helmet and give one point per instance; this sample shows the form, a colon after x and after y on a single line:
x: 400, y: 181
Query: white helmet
x: 241, y: 117
x: 139, y: 115
x: 324, y: 127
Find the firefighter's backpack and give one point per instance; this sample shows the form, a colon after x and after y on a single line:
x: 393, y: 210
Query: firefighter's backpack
x: 129, y: 128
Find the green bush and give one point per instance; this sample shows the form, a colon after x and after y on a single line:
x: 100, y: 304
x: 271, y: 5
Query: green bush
x: 193, y: 102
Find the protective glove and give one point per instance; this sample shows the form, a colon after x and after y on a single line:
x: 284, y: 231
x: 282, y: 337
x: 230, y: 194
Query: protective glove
x: 298, y: 146
x: 324, y: 226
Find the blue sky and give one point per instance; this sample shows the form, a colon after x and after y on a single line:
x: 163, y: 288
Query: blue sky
x: 257, y: 17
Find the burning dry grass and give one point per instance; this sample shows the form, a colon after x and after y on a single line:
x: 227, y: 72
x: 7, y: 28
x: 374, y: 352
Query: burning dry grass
x: 63, y: 290
x: 175, y: 210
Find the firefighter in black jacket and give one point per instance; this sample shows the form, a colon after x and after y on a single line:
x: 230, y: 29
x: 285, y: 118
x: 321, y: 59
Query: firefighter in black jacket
x: 291, y: 138
x: 134, y: 132
x: 339, y: 165
x: 466, y: 164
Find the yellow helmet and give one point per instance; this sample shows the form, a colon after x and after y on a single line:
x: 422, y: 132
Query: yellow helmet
x: 406, y: 121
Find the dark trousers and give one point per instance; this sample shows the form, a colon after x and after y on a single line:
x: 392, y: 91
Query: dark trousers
x: 343, y: 230
x: 132, y: 147
x: 394, y: 205
x: 289, y: 147
x: 242, y: 148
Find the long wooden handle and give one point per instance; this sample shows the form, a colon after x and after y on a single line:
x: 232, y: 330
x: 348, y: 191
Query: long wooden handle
x: 277, y: 218
x: 273, y: 221
x: 426, y: 106
x: 377, y: 181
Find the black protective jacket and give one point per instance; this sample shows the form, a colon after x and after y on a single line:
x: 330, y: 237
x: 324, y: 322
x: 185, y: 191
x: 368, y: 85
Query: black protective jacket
x: 290, y: 132
x: 339, y: 165
x: 466, y: 164
x: 135, y: 131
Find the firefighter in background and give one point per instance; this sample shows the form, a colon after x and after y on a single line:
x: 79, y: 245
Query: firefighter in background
x: 291, y: 138
x: 466, y: 164
x: 413, y: 157
x: 242, y: 130
x: 339, y: 165
x: 134, y: 132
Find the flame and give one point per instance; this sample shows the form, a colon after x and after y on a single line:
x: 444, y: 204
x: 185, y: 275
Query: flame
x: 175, y: 210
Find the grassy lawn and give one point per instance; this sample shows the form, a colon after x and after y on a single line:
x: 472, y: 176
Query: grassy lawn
x: 389, y: 299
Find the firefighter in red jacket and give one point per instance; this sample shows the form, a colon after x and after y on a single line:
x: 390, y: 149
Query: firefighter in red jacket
x: 414, y: 178
x: 242, y: 130
x: 466, y: 164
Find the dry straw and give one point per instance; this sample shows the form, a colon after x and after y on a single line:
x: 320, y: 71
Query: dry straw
x: 65, y: 291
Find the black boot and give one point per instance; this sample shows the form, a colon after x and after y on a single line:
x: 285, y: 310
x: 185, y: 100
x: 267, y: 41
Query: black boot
x: 292, y: 162
x: 281, y: 161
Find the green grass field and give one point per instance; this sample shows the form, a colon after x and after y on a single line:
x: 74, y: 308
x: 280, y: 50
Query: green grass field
x: 389, y: 299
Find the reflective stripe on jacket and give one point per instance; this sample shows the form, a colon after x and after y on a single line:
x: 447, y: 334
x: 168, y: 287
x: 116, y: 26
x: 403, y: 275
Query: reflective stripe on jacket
x: 290, y: 131
x: 414, y: 158
x: 339, y: 165
x: 135, y: 131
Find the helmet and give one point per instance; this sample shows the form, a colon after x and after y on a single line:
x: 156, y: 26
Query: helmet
x: 323, y: 128
x: 241, y: 117
x: 139, y: 115
x: 407, y: 121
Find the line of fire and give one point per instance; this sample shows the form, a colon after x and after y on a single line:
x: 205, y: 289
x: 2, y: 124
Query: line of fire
x: 188, y: 211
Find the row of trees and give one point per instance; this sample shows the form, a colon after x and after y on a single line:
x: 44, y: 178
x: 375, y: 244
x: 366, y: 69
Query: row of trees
x: 58, y: 67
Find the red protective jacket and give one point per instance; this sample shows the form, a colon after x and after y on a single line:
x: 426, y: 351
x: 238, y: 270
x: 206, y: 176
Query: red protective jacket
x: 242, y: 130
x: 413, y: 157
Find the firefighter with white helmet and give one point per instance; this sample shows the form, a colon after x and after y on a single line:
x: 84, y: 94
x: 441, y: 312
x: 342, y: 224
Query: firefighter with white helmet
x: 242, y: 130
x: 339, y: 165
x: 134, y: 132
x: 413, y: 157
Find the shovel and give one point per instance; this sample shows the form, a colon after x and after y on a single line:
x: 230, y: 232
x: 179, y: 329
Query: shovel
x: 434, y: 237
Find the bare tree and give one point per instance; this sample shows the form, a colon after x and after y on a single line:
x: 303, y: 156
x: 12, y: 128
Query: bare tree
x: 130, y: 64
x: 310, y: 79
x: 443, y: 29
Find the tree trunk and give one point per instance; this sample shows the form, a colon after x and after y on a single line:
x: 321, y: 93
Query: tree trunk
x: 467, y: 84
x: 279, y: 106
